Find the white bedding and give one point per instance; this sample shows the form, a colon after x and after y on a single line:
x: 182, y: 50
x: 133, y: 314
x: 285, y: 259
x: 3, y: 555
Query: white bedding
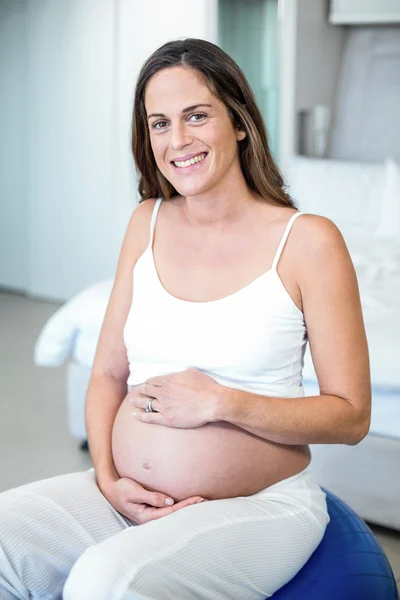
x: 73, y: 330
x: 377, y: 263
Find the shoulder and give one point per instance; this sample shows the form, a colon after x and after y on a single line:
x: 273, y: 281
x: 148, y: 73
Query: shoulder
x: 138, y: 230
x: 313, y: 234
x: 143, y: 211
x: 317, y: 229
x: 319, y: 251
x: 137, y: 234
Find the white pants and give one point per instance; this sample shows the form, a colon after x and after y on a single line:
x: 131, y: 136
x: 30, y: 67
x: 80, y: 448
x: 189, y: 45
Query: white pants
x: 63, y: 532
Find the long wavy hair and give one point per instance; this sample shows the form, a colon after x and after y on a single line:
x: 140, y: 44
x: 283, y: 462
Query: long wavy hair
x: 226, y: 82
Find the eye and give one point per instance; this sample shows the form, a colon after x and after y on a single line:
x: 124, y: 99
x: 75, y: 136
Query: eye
x: 199, y: 117
x: 156, y: 125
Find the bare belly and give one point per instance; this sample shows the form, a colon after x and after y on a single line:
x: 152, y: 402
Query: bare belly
x: 218, y: 460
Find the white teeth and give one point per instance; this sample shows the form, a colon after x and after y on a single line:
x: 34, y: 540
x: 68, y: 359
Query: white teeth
x: 191, y: 161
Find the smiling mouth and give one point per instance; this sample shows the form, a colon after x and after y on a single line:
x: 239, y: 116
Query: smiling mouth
x: 191, y: 161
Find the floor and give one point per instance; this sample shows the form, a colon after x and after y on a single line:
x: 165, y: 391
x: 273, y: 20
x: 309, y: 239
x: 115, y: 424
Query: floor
x: 34, y: 439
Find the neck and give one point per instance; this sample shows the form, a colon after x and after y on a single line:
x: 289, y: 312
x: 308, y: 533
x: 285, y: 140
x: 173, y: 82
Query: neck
x: 222, y: 204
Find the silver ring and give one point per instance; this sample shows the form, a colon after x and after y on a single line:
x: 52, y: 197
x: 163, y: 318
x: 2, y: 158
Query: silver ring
x: 149, y: 405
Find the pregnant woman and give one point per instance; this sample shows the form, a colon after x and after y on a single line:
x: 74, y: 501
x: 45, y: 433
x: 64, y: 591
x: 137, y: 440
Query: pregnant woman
x: 197, y: 423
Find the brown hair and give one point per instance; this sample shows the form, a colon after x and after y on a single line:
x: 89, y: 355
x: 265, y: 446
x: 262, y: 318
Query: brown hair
x: 226, y: 82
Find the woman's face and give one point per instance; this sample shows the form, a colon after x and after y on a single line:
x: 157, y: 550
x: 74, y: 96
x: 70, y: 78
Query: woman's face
x: 192, y: 136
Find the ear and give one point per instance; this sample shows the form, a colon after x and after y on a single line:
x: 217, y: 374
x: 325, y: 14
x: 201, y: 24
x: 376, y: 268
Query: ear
x: 240, y: 135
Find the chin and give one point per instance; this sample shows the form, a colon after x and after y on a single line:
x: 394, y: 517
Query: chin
x: 194, y: 189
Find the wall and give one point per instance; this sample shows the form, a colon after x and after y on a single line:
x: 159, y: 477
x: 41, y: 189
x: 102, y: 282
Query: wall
x: 67, y: 183
x: 367, y: 123
x: 310, y: 54
x: 13, y: 204
x: 318, y: 50
x: 70, y: 145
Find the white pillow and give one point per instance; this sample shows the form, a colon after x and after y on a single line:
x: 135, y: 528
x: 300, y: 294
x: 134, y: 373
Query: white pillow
x: 389, y: 223
x: 84, y: 312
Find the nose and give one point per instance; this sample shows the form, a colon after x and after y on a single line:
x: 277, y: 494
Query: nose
x: 179, y: 136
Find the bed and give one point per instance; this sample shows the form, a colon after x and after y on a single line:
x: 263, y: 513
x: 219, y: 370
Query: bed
x: 362, y: 199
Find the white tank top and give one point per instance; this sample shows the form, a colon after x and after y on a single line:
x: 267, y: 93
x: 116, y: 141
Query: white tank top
x: 253, y: 340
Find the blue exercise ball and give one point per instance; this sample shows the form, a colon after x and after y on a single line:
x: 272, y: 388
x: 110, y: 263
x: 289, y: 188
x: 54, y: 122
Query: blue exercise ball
x: 349, y: 563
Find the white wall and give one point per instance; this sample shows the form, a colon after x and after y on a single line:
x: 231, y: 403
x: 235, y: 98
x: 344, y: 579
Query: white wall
x: 70, y: 144
x: 13, y: 204
x: 67, y: 183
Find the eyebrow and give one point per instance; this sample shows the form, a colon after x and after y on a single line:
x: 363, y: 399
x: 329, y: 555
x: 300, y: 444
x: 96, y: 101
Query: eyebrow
x: 185, y: 110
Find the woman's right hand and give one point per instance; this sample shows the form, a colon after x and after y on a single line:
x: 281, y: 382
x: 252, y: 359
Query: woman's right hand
x: 138, y: 504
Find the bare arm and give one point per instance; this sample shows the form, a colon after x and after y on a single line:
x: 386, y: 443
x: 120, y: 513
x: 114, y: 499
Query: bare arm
x: 107, y: 386
x: 332, y: 310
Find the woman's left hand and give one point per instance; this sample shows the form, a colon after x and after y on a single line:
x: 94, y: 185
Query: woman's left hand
x: 185, y: 400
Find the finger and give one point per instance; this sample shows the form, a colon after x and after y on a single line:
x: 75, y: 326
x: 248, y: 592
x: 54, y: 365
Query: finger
x: 158, y: 380
x: 138, y: 400
x: 188, y: 502
x: 140, y: 513
x: 148, y: 389
x: 151, y: 512
x: 141, y: 402
x: 154, y: 418
x: 155, y: 499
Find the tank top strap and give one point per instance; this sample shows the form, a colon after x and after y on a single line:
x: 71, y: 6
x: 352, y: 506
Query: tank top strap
x: 154, y: 219
x: 283, y: 239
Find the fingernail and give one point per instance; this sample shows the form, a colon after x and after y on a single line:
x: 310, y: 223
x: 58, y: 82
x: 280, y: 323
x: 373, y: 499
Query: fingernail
x: 169, y: 501
x: 201, y: 500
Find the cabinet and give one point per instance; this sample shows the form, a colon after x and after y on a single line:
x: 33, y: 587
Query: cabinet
x: 358, y: 12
